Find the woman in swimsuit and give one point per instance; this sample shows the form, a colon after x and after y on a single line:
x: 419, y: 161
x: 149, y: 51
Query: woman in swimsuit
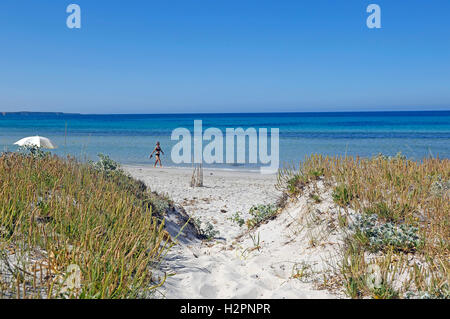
x: 157, y: 152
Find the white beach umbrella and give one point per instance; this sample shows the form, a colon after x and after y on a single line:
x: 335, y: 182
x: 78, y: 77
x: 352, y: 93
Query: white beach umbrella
x: 38, y: 141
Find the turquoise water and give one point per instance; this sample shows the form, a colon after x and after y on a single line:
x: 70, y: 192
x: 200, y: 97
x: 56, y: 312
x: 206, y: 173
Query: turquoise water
x: 129, y: 138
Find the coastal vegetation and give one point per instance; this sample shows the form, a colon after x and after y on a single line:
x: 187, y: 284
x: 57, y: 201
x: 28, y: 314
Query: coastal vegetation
x: 259, y: 214
x: 89, y: 230
x: 206, y: 230
x: 395, y: 216
x: 77, y: 230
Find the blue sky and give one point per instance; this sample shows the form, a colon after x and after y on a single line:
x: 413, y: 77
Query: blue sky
x: 224, y: 56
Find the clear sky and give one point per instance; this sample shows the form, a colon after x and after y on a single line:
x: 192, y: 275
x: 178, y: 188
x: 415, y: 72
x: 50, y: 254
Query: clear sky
x: 224, y: 56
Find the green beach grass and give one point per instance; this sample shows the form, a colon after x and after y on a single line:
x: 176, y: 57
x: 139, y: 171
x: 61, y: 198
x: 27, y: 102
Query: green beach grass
x: 77, y: 230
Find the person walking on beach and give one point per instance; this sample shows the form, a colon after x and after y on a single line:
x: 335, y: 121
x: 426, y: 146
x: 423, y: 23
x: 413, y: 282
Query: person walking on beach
x: 157, y: 152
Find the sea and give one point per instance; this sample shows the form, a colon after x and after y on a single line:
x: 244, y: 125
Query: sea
x: 129, y: 138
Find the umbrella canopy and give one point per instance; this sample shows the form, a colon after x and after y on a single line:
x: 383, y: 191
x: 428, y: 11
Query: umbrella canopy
x: 38, y: 141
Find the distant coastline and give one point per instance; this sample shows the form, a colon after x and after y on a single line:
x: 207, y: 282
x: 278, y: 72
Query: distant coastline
x: 229, y: 113
x: 37, y: 113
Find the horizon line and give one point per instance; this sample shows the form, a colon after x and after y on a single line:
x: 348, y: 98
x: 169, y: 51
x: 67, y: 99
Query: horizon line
x: 193, y: 113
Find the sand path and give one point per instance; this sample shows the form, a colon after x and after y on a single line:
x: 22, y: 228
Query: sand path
x: 231, y: 266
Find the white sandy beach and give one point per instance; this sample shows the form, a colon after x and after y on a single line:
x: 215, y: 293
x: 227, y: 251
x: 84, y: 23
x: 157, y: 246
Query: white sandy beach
x: 286, y: 265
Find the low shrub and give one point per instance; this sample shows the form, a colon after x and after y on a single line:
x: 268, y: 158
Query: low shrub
x: 260, y: 214
x: 236, y: 218
x: 379, y: 236
x: 207, y: 232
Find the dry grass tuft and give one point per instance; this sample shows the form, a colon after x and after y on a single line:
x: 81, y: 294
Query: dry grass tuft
x: 396, y: 214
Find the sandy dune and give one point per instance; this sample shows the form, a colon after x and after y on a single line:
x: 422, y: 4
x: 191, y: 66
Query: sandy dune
x: 276, y: 260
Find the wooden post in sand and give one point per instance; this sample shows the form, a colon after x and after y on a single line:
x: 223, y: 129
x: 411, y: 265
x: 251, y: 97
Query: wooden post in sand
x: 197, y: 176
